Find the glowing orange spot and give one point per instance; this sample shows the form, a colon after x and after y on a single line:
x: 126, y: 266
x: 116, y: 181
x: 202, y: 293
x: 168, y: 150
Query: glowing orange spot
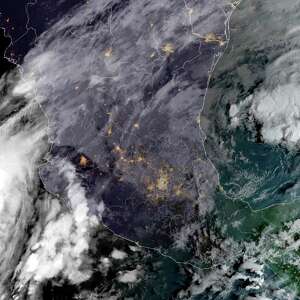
x: 83, y: 161
x: 168, y: 48
x: 162, y: 181
x: 109, y: 130
x: 118, y: 149
x: 140, y: 158
x: 178, y: 190
x: 150, y: 187
x: 211, y: 37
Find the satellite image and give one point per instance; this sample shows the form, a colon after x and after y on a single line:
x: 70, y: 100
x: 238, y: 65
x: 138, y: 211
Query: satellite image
x: 149, y: 150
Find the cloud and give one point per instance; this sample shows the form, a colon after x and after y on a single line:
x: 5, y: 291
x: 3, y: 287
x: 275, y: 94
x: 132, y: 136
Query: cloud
x: 276, y: 105
x: 130, y: 276
x: 118, y: 254
x: 23, y: 143
x: 64, y: 243
x: 278, y: 110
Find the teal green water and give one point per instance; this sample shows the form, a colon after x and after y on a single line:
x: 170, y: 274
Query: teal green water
x: 258, y: 187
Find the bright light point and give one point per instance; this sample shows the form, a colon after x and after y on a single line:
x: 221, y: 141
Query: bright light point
x: 168, y: 48
x: 108, y: 52
x: 152, y: 54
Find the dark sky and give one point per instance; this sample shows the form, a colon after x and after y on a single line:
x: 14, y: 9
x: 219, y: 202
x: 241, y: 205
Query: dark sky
x: 24, y: 22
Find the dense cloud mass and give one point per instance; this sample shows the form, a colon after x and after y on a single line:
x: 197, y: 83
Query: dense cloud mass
x: 59, y: 239
x: 23, y: 143
x: 64, y: 240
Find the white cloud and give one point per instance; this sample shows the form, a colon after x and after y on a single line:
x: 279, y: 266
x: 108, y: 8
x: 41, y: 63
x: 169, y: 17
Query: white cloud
x: 276, y: 105
x: 32, y: 78
x: 130, y: 276
x: 22, y: 146
x: 105, y: 265
x: 118, y: 254
x: 64, y: 243
x: 278, y: 110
